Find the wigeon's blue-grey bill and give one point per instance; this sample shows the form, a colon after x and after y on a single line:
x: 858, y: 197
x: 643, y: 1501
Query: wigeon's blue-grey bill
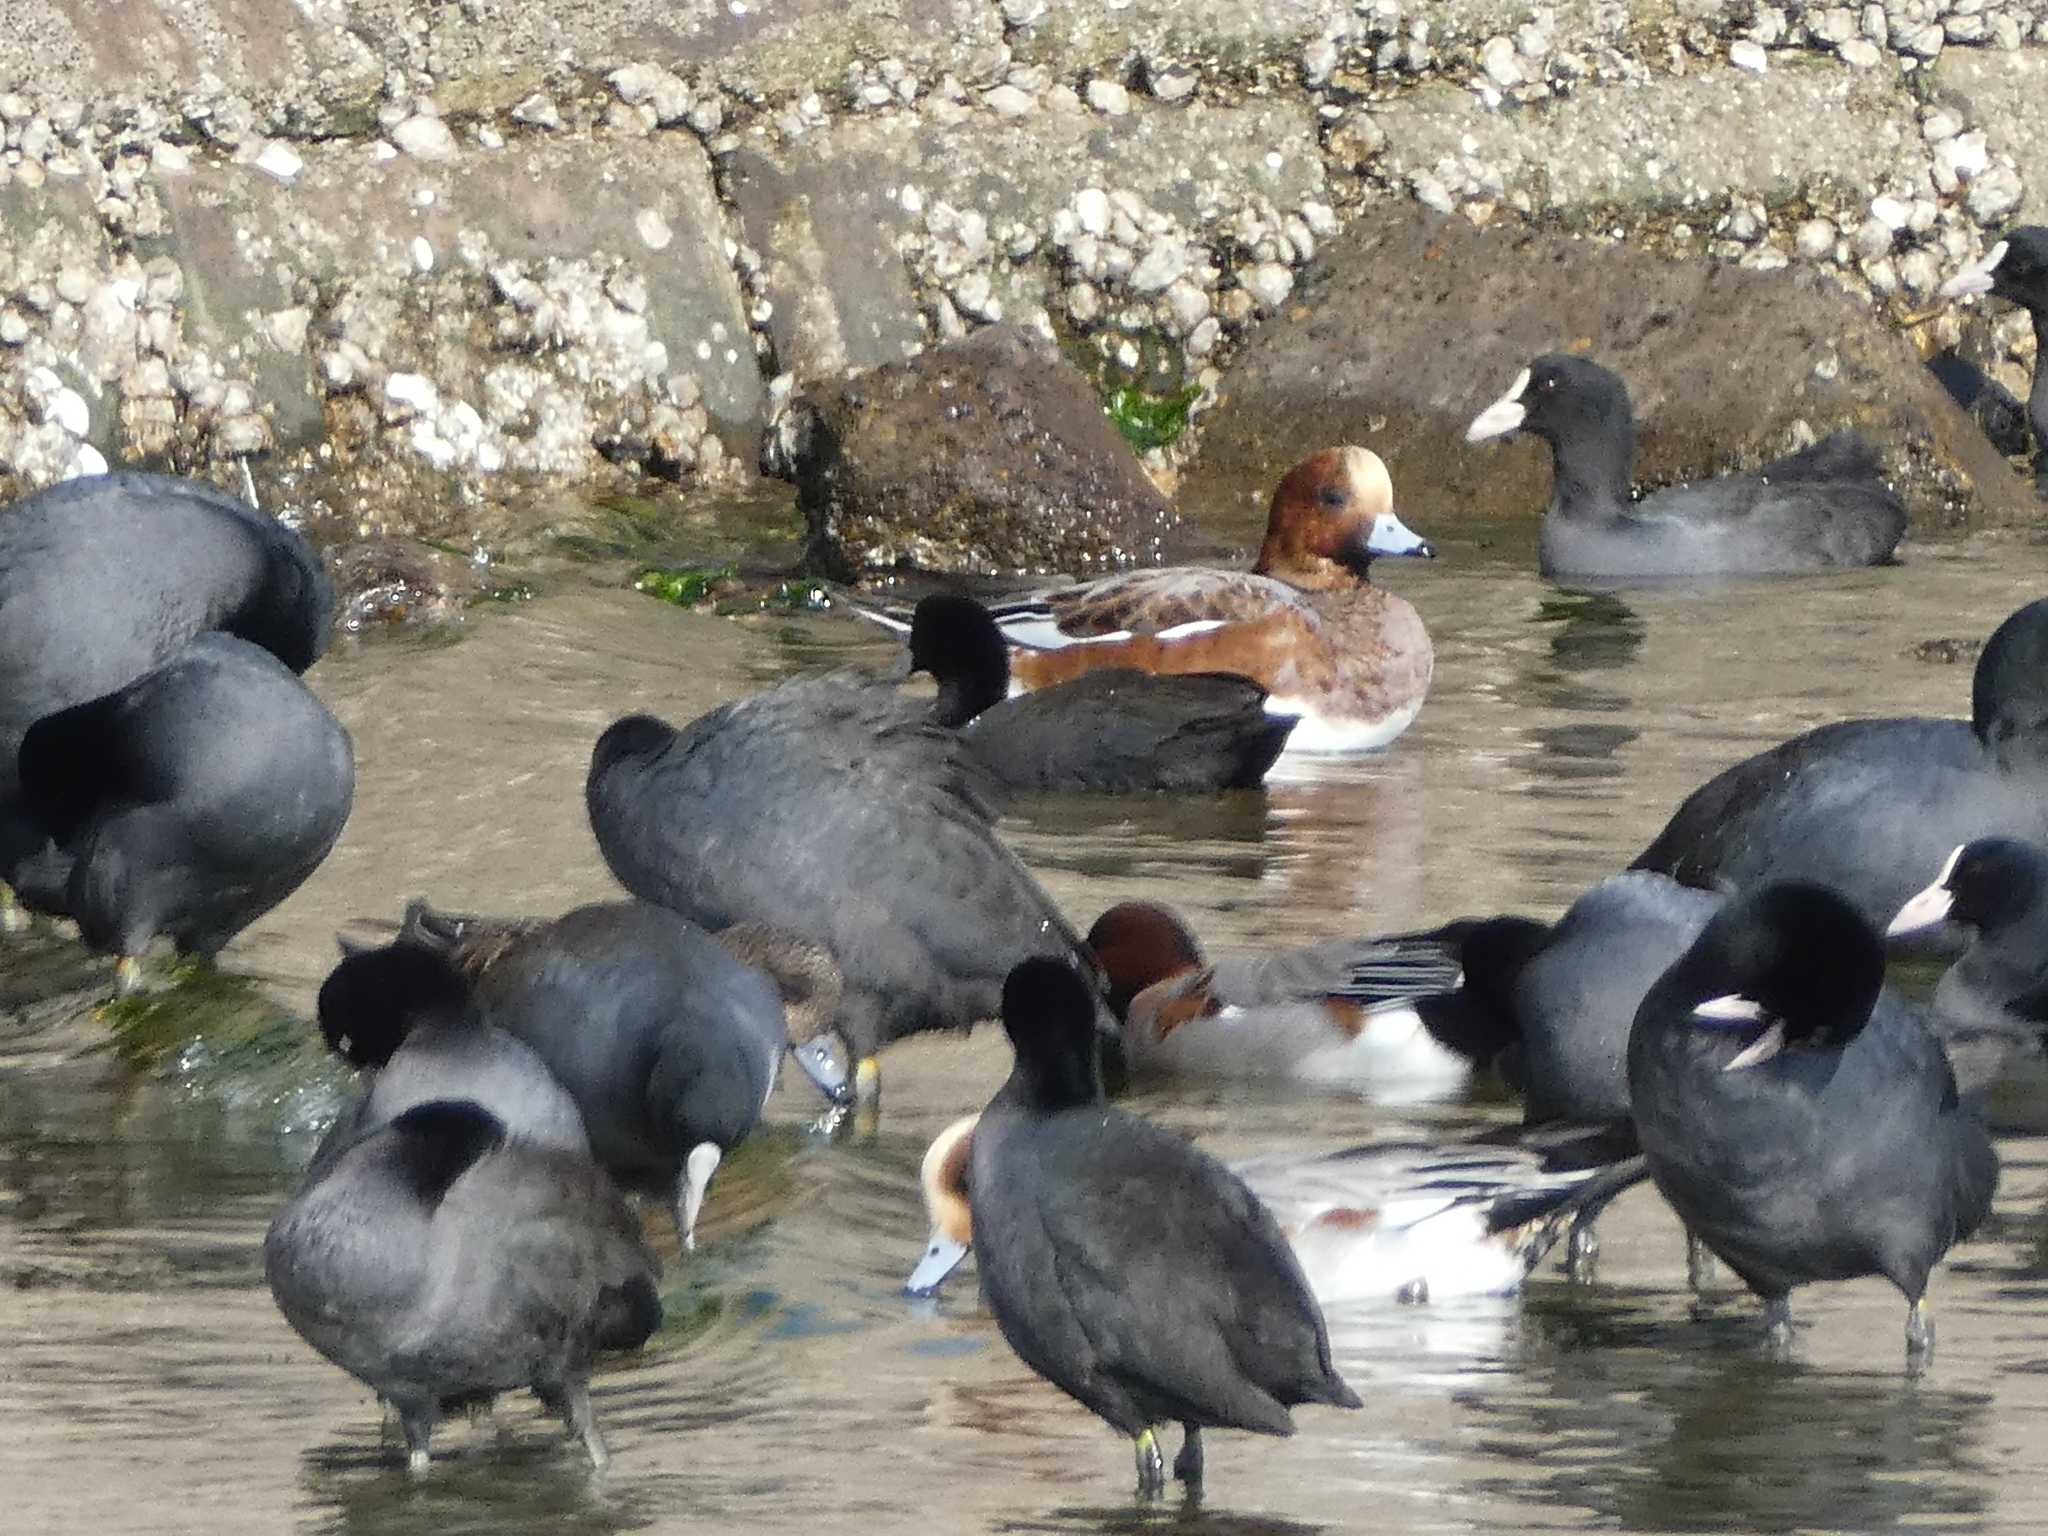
x: 1391, y: 536
x: 941, y: 1257
x: 1978, y: 276
x: 821, y: 1062
x: 1505, y: 415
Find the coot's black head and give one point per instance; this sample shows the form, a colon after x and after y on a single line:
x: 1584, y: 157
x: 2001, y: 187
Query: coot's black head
x: 376, y: 997
x: 1987, y: 885
x: 1561, y: 399
x: 956, y: 640
x: 2015, y: 269
x: 1049, y: 1012
x: 1787, y: 964
x: 1138, y: 943
x: 2009, y: 694
x: 634, y: 736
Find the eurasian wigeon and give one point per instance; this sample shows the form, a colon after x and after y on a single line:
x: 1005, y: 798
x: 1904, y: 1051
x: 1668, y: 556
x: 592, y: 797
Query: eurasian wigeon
x: 1868, y: 807
x: 1388, y: 1221
x: 1797, y: 1116
x: 1132, y: 1271
x: 1339, y: 1013
x: 1827, y: 505
x: 1114, y: 730
x: 816, y: 815
x: 1349, y: 659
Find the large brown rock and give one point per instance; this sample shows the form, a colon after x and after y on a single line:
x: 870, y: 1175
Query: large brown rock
x: 1411, y: 324
x: 987, y: 456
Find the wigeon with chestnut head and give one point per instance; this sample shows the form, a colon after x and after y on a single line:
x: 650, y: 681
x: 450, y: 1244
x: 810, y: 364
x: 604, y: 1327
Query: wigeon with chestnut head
x: 1350, y: 659
x: 1340, y: 1013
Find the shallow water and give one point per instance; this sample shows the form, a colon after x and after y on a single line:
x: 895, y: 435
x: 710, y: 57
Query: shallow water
x: 149, y: 1384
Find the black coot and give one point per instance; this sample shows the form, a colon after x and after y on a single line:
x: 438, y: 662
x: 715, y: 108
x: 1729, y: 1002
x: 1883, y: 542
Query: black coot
x: 2016, y: 269
x: 1827, y: 505
x: 1991, y: 1007
x: 440, y: 1262
x: 1870, y: 806
x: 667, y: 1044
x: 1800, y: 1120
x: 406, y: 1020
x: 1115, y: 730
x: 1133, y: 1272
x: 187, y: 802
x: 105, y: 576
x: 816, y: 811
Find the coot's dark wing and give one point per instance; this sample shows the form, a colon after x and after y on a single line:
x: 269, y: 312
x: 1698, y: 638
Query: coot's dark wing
x: 1117, y: 730
x: 1825, y: 505
x: 1182, y: 1280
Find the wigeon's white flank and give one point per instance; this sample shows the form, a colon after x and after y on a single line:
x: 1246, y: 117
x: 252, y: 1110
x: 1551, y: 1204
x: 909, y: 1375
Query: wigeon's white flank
x: 1338, y: 1013
x: 1352, y: 660
x: 1391, y: 1221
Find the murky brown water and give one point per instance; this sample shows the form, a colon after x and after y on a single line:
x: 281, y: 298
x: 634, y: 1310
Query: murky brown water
x: 147, y: 1383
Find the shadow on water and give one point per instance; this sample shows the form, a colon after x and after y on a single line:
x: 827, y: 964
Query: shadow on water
x: 1653, y: 1422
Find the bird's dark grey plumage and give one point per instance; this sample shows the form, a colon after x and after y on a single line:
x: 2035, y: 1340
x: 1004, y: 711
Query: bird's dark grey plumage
x: 1113, y: 731
x: 816, y: 810
x: 105, y: 576
x: 1870, y: 807
x: 1133, y: 1272
x: 1826, y: 505
x: 668, y: 1045
x: 440, y: 1262
x: 1801, y: 1121
x: 188, y: 802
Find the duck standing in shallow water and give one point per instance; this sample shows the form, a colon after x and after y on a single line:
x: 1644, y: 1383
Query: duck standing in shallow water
x: 1826, y: 505
x: 1799, y: 1119
x: 1350, y: 659
x: 1133, y: 1272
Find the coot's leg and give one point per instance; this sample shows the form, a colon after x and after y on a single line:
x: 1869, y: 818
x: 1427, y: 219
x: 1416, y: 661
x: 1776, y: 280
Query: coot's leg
x: 1699, y: 1264
x: 1919, y: 1331
x: 1582, y: 1248
x: 582, y: 1422
x: 1778, y: 1323
x: 417, y: 1420
x: 1151, y: 1466
x: 1187, y: 1466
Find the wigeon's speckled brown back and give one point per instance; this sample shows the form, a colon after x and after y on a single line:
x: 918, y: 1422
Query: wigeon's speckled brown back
x: 1351, y: 660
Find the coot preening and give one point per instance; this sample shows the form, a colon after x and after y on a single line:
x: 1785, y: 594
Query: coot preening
x: 188, y: 802
x: 440, y: 1262
x: 817, y: 811
x: 1800, y: 1120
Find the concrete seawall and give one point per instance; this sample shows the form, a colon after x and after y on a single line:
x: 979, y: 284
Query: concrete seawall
x: 405, y: 244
